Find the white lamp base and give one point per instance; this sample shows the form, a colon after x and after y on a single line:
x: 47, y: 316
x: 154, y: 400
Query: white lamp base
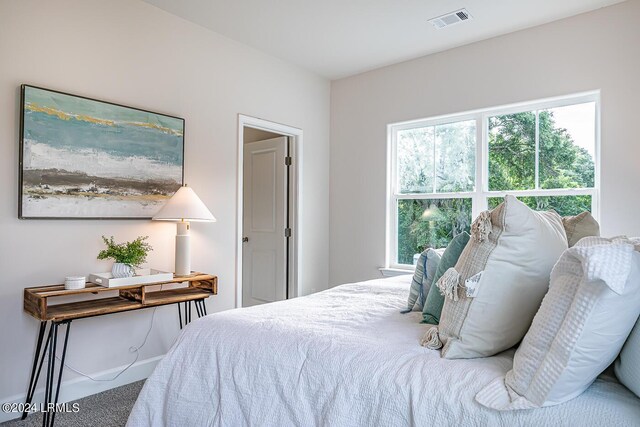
x: 183, y: 250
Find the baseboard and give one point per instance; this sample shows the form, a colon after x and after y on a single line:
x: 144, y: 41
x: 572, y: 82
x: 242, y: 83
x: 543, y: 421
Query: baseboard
x: 80, y: 387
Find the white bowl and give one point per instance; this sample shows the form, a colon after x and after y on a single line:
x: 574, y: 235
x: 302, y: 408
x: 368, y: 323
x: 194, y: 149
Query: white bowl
x: 75, y: 282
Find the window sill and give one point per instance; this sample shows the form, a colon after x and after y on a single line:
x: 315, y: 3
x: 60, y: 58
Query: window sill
x: 392, y: 272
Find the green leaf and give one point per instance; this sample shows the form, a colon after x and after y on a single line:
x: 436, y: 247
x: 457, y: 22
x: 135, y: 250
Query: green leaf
x: 132, y: 253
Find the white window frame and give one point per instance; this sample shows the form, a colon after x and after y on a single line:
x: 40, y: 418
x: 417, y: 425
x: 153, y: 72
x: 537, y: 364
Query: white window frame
x: 481, y: 194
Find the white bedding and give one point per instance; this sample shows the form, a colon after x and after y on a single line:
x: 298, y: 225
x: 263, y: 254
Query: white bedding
x: 342, y: 357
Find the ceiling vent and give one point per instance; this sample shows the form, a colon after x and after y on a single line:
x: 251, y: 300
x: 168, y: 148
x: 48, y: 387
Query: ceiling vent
x: 452, y: 18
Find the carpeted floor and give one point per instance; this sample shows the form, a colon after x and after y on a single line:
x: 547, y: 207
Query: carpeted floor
x: 107, y: 409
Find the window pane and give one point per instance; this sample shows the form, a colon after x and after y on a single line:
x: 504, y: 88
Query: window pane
x: 512, y: 157
x: 456, y: 156
x: 430, y: 223
x: 564, y: 205
x: 415, y: 160
x: 567, y: 146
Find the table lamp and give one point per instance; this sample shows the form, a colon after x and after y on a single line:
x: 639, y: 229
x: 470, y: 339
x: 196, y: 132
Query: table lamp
x: 184, y: 206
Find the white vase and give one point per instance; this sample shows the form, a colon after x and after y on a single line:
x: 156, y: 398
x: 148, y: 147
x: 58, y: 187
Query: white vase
x: 121, y: 270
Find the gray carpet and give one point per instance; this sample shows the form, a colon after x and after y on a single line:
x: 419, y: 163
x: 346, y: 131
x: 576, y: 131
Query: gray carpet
x: 107, y: 409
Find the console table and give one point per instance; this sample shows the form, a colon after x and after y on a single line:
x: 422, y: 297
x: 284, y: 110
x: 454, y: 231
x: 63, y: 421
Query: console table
x: 37, y: 302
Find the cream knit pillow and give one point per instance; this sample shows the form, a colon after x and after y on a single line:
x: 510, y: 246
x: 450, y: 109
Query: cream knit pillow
x: 579, y: 226
x: 584, y: 320
x: 497, y: 285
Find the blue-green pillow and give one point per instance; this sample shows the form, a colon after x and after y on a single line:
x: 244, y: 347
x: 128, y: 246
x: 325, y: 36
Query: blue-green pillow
x: 416, y: 284
x: 435, y: 300
x: 422, y: 278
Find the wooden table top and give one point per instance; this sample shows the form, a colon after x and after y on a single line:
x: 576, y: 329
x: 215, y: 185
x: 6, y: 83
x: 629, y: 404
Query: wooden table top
x: 131, y: 297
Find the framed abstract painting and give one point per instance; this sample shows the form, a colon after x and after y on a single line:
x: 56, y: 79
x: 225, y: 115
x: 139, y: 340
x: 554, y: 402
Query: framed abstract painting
x: 82, y: 158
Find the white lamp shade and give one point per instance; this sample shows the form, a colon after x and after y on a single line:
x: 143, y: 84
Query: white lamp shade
x: 184, y: 205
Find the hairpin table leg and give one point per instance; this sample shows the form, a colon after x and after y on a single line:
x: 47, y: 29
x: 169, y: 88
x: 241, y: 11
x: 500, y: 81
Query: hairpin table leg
x: 64, y: 354
x: 35, y: 371
x: 48, y: 392
x: 186, y: 313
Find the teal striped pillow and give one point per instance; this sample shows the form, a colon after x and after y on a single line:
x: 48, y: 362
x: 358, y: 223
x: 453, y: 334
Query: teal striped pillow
x: 422, y: 278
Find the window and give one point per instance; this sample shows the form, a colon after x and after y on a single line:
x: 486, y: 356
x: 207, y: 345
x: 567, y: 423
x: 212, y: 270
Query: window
x: 444, y: 171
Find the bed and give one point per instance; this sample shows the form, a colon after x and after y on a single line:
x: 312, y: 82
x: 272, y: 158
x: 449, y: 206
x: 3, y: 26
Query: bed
x: 342, y: 357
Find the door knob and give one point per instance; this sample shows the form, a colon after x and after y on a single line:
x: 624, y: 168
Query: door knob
x: 245, y: 239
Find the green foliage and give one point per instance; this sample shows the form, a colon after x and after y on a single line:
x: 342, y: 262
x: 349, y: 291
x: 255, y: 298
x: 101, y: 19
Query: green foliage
x: 455, y: 157
x: 562, y: 163
x: 512, y: 164
x: 440, y: 158
x: 512, y: 152
x: 430, y: 223
x: 132, y: 253
x: 564, y: 205
x: 415, y: 154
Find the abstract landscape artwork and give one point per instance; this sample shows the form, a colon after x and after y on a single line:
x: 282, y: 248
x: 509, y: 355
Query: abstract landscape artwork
x: 84, y: 158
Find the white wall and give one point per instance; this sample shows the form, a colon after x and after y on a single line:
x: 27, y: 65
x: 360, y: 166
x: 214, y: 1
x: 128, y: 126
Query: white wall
x: 132, y: 53
x: 596, y: 50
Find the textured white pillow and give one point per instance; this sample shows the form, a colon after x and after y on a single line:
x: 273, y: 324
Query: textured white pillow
x: 497, y: 285
x: 628, y: 364
x: 583, y: 322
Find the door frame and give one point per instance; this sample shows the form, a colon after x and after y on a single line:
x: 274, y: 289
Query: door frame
x: 295, y: 199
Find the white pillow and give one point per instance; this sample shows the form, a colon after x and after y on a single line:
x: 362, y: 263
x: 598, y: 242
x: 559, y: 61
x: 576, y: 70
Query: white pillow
x: 628, y: 364
x: 583, y: 322
x: 497, y: 285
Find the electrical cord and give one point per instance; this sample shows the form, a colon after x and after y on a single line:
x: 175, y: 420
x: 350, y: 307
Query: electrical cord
x: 132, y: 349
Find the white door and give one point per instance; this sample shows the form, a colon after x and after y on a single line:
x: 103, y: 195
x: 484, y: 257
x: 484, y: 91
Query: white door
x: 264, y: 246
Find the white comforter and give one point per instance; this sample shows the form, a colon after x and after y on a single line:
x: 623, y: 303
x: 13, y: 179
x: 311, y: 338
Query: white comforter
x: 342, y: 357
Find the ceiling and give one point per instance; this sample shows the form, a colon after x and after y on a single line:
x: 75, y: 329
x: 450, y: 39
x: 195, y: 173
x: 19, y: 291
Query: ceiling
x: 338, y: 38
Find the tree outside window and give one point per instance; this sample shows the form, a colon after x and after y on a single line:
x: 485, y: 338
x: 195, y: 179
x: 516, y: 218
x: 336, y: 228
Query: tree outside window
x: 543, y: 155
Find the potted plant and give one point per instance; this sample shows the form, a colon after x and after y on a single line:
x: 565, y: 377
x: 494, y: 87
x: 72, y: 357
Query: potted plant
x: 127, y: 256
